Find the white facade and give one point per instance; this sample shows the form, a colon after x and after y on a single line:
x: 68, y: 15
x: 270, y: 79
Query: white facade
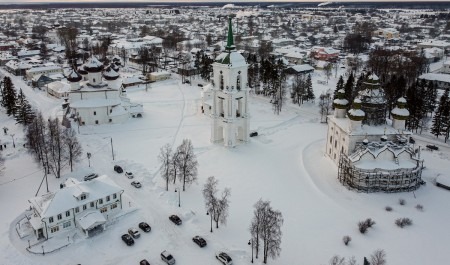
x: 85, y: 205
x: 230, y: 118
x: 97, y: 101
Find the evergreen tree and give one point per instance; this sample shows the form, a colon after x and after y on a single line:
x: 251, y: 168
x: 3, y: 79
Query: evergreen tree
x: 309, y: 89
x: 416, y: 103
x: 24, y: 113
x: 348, y: 88
x: 439, y: 124
x: 430, y: 97
x: 339, y: 86
x: 9, y: 96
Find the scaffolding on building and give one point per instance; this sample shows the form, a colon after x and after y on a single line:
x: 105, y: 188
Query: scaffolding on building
x: 379, y: 180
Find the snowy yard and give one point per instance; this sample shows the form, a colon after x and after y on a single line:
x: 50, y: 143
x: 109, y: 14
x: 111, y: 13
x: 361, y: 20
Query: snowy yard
x: 284, y: 164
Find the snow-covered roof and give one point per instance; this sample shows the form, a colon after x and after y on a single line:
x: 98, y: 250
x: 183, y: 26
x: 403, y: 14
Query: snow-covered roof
x: 443, y: 180
x: 302, y: 67
x: 95, y: 103
x: 53, y: 203
x: 436, y: 77
x: 400, y: 112
x: 91, y: 219
x: 59, y: 87
x: 233, y: 58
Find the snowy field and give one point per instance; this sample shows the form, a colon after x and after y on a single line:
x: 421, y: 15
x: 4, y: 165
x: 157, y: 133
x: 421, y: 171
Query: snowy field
x: 284, y: 164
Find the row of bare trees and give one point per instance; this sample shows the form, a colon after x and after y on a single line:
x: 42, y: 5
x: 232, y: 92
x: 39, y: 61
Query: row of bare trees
x: 52, y: 145
x: 265, y: 230
x: 217, y: 206
x: 180, y: 164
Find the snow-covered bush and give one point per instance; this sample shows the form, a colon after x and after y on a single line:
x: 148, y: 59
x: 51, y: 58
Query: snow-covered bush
x: 401, y: 201
x: 369, y: 222
x: 346, y: 240
x: 388, y: 208
x: 402, y: 222
x: 419, y: 207
x: 362, y: 226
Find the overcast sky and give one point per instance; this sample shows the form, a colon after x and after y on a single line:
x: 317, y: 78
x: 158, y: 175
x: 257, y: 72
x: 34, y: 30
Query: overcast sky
x: 224, y: 1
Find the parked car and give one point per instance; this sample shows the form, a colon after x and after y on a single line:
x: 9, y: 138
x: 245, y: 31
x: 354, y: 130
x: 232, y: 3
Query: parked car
x: 90, y: 176
x: 200, y: 85
x: 432, y: 147
x: 175, y: 219
x: 224, y: 258
x: 118, y: 169
x: 253, y: 134
x: 134, y: 232
x: 129, y: 175
x: 167, y: 257
x: 145, y: 227
x: 136, y: 184
x: 127, y: 239
x: 144, y: 262
x: 199, y: 241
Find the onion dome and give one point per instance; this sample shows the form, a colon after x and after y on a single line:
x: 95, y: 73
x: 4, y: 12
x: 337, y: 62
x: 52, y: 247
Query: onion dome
x: 340, y: 102
x: 74, y: 76
x: 93, y: 65
x: 81, y: 70
x: 400, y: 112
x: 356, y: 113
x: 115, y: 67
x: 110, y: 74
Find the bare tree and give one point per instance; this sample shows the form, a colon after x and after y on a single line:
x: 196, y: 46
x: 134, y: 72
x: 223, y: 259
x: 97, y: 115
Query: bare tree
x: 56, y: 152
x: 164, y: 157
x: 187, y: 165
x: 336, y: 260
x: 174, y: 164
x: 1, y: 164
x: 266, y: 226
x: 74, y: 149
x: 217, y: 207
x: 378, y: 257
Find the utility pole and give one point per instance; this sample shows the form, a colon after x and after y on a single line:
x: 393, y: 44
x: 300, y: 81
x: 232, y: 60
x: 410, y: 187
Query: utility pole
x: 112, y: 149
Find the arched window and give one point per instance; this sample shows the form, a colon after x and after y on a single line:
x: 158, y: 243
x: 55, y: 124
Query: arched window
x: 238, y: 83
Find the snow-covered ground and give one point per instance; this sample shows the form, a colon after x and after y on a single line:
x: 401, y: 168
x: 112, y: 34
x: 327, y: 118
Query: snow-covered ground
x: 284, y: 164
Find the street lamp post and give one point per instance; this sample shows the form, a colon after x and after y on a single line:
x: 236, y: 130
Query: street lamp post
x: 179, y: 196
x: 43, y: 253
x: 250, y: 242
x: 12, y: 136
x: 89, y: 158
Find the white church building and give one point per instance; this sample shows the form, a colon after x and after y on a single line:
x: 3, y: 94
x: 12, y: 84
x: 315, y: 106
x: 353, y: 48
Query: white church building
x: 371, y: 153
x: 100, y: 99
x: 227, y: 97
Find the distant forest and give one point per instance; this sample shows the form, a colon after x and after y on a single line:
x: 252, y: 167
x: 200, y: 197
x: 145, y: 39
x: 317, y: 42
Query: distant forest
x: 287, y: 5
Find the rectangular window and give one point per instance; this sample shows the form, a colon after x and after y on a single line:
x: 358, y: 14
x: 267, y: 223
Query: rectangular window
x: 83, y: 197
x: 50, y: 220
x: 59, y: 216
x: 92, y: 204
x: 67, y: 214
x: 77, y: 209
x: 54, y: 229
x: 100, y: 201
x: 114, y: 196
x: 104, y: 209
x: 110, y: 120
x: 114, y: 205
x: 84, y: 207
x: 96, y: 122
x: 107, y: 198
x: 95, y: 113
x: 66, y: 224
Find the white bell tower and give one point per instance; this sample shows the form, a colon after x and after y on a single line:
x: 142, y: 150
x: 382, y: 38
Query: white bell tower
x: 230, y: 117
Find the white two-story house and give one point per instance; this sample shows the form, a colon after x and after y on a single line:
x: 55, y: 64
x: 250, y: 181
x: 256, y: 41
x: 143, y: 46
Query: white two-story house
x: 85, y: 205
